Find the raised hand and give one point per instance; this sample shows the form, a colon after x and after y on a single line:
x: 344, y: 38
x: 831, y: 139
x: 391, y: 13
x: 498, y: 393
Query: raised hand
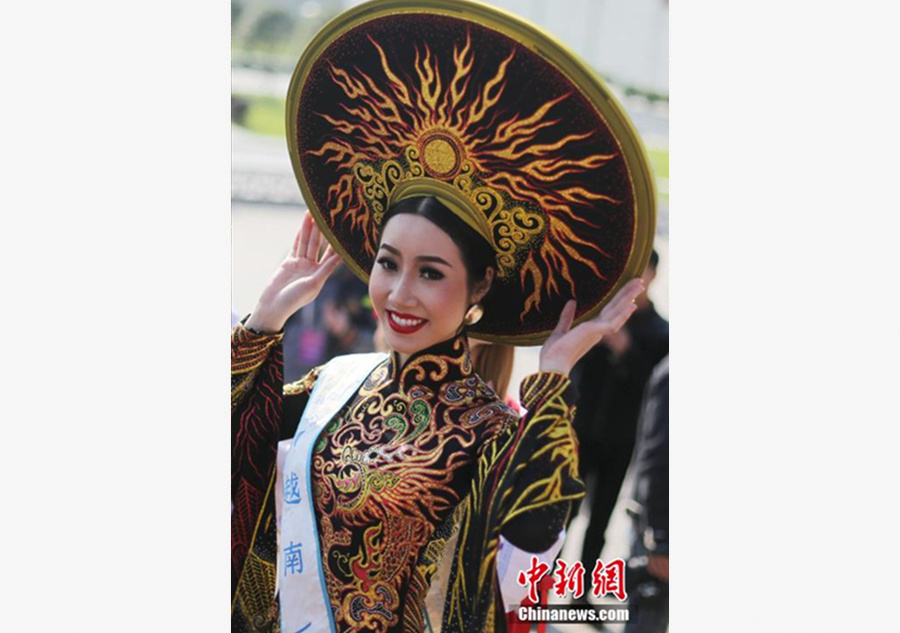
x: 297, y: 281
x: 567, y: 344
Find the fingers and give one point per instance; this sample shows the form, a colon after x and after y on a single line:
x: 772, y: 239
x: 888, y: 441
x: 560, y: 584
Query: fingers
x: 295, y: 251
x: 626, y: 295
x: 309, y: 239
x: 617, y: 311
x: 566, y: 317
x: 315, y: 242
x: 630, y: 291
x: 306, y: 228
x: 327, y: 265
x: 620, y: 317
x: 329, y: 251
x: 319, y: 242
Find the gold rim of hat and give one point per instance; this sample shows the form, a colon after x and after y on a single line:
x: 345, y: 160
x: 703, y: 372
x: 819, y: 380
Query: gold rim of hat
x: 554, y: 53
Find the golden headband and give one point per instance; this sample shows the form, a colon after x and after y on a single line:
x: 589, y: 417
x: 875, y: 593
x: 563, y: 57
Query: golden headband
x: 447, y: 195
x: 509, y: 231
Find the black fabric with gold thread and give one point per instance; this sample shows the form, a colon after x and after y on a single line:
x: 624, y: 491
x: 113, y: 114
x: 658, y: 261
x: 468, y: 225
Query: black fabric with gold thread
x: 494, y: 118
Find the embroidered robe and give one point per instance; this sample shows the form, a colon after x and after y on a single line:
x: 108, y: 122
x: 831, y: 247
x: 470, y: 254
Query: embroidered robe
x: 418, y: 453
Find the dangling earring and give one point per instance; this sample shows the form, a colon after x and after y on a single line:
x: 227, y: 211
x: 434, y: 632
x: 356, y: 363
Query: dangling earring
x: 473, y: 315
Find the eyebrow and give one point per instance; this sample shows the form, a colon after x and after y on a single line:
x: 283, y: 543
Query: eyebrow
x: 421, y: 258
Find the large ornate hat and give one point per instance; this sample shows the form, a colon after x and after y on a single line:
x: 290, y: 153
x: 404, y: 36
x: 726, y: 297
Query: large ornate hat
x: 401, y: 98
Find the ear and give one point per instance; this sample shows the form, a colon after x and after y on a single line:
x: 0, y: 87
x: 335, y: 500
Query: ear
x: 482, y: 287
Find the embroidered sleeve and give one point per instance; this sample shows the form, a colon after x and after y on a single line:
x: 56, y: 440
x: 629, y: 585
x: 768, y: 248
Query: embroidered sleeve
x: 256, y: 401
x: 545, y: 449
x: 263, y: 411
x: 250, y: 353
x: 525, y: 470
x: 256, y: 417
x: 544, y: 481
x: 535, y: 462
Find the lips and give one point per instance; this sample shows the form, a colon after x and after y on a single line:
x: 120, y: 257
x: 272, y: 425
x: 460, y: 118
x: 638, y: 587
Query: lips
x: 405, y: 323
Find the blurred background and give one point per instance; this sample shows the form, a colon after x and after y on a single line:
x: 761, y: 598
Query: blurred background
x: 624, y: 41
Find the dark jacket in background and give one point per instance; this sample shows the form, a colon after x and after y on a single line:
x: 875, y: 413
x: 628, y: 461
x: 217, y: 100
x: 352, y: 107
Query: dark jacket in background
x: 651, y: 463
x: 611, y: 389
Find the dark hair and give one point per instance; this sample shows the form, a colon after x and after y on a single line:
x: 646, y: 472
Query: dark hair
x: 494, y: 363
x: 654, y: 259
x: 477, y: 254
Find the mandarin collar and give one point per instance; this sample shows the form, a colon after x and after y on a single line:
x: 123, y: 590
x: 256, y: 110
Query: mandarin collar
x: 452, y: 353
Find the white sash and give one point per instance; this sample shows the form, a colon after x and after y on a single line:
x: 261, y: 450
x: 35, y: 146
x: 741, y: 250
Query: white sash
x: 305, y: 607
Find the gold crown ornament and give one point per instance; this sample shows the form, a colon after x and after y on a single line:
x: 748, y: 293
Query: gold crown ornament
x: 467, y: 103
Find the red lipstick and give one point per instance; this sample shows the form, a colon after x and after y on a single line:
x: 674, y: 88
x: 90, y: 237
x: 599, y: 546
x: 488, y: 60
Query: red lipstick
x: 405, y: 323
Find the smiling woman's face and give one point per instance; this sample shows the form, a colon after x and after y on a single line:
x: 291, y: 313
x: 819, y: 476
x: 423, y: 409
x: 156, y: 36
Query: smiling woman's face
x: 419, y: 286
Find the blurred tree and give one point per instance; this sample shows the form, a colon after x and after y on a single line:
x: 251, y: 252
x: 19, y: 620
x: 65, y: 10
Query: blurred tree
x: 313, y: 16
x: 237, y: 8
x: 271, y: 30
x: 271, y: 34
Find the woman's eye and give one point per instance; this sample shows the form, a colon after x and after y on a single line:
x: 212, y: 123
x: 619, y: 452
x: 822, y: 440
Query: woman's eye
x: 387, y: 263
x: 431, y: 273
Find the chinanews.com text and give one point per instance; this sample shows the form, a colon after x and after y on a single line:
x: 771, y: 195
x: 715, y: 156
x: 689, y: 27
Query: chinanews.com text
x: 570, y: 615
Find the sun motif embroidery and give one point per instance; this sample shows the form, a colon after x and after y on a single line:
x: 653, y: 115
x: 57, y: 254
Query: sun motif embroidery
x: 442, y: 123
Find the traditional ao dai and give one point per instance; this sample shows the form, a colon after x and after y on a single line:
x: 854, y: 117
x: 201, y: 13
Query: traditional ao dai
x: 417, y: 453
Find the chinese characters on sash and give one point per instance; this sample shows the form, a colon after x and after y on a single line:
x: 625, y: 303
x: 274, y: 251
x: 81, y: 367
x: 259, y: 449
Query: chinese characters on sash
x: 293, y: 559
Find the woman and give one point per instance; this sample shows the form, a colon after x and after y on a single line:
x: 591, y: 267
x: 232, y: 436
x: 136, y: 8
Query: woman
x: 386, y: 486
x: 478, y: 178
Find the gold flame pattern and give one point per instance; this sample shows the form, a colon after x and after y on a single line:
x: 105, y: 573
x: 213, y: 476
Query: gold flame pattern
x: 430, y: 126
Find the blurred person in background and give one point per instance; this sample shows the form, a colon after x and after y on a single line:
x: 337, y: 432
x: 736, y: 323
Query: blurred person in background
x: 378, y: 340
x: 611, y: 379
x: 648, y: 568
x: 347, y: 315
x: 340, y: 321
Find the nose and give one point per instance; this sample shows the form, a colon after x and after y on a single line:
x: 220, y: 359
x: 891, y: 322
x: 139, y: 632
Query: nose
x: 403, y: 291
